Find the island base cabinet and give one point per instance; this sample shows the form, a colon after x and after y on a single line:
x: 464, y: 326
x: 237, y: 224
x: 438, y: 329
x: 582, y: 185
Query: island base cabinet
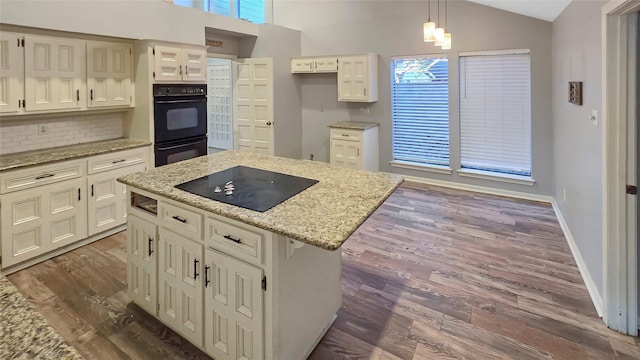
x: 180, y: 285
x: 142, y: 274
x: 233, y: 308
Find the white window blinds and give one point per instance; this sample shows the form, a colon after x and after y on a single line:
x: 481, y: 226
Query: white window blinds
x: 251, y: 10
x: 495, y: 112
x: 420, y: 110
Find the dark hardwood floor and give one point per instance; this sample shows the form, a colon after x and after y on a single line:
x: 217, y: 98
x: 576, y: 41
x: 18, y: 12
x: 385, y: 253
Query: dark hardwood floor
x: 435, y: 273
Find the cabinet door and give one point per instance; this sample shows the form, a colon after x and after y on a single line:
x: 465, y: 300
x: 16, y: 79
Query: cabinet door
x: 194, y: 63
x: 302, y: 65
x: 142, y: 266
x: 41, y: 219
x: 11, y: 72
x: 233, y: 308
x: 168, y: 61
x: 326, y: 65
x: 346, y: 153
x: 180, y: 282
x: 353, y: 78
x: 104, y: 202
x: 109, y: 74
x: 53, y: 73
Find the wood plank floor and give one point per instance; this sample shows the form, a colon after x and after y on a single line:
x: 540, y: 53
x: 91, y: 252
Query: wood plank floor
x: 435, y: 273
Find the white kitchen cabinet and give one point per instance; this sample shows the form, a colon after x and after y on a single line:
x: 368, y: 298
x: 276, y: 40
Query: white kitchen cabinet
x: 109, y: 73
x: 314, y: 65
x: 358, y: 78
x: 233, y: 308
x: 53, y: 73
x: 174, y: 64
x: 355, y: 148
x: 11, y: 72
x: 180, y: 284
x: 42, y: 219
x: 142, y: 269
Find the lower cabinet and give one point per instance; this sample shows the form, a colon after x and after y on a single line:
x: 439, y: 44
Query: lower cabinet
x: 233, y: 308
x: 142, y: 269
x: 42, y: 219
x: 180, y: 284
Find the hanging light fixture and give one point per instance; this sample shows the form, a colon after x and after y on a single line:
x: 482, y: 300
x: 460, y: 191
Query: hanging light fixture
x: 429, y: 28
x: 446, y: 45
x: 439, y: 33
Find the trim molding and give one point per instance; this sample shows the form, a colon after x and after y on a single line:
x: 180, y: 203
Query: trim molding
x: 596, y: 298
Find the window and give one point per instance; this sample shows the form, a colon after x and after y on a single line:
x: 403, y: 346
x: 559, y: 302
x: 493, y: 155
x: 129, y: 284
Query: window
x: 420, y: 110
x: 495, y: 112
x: 250, y: 10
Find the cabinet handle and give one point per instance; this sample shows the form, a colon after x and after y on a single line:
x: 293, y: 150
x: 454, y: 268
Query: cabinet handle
x: 206, y: 276
x: 118, y: 161
x: 78, y: 94
x: 150, y: 245
x: 186, y: 70
x: 182, y: 220
x: 91, y: 94
x: 268, y: 123
x: 358, y: 151
x: 19, y: 104
x: 235, y: 240
x: 195, y: 268
x: 347, y: 135
x: 180, y: 69
x: 365, y: 92
x: 91, y: 190
x: 78, y: 194
x: 44, y: 176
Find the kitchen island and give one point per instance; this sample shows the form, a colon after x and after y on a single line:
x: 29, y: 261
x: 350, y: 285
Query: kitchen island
x: 240, y: 283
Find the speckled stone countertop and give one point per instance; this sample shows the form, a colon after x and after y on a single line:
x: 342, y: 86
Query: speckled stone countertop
x: 24, y: 333
x: 354, y: 125
x: 324, y: 215
x: 69, y: 152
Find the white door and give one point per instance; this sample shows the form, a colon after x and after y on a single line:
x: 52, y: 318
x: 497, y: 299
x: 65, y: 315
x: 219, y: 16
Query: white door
x: 253, y: 105
x: 53, y: 73
x: 180, y: 282
x: 67, y: 212
x: 346, y: 153
x: 167, y: 63
x: 219, y: 104
x: 353, y: 77
x: 142, y: 267
x: 233, y: 308
x: 104, y: 202
x: 11, y: 72
x: 194, y: 63
x: 109, y: 74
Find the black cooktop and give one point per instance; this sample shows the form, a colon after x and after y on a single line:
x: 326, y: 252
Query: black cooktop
x: 247, y: 187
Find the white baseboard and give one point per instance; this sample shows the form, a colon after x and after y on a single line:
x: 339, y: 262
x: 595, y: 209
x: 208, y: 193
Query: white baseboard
x: 584, y: 271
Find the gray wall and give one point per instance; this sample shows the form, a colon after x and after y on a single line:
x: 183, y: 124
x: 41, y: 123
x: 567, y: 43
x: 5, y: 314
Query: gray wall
x: 577, y: 145
x: 280, y: 44
x: 392, y: 28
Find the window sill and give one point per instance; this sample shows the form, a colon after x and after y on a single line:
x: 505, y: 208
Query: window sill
x: 514, y: 179
x: 421, y: 167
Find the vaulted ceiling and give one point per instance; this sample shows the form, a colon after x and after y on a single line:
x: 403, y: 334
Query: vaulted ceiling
x: 542, y: 9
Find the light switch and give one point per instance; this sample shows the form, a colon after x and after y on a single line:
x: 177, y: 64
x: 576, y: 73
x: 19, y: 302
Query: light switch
x: 594, y: 117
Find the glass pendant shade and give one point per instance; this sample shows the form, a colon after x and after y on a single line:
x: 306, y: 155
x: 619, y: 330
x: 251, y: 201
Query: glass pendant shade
x: 446, y: 45
x: 429, y: 31
x: 439, y: 37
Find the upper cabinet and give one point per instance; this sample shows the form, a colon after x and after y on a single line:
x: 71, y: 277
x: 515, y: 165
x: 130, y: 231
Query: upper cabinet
x: 109, y: 73
x: 174, y: 64
x: 42, y: 74
x: 11, y: 70
x: 358, y: 78
x: 53, y: 73
x: 357, y: 74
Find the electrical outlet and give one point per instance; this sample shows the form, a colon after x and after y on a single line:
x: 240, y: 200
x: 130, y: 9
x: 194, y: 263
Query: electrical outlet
x: 43, y: 129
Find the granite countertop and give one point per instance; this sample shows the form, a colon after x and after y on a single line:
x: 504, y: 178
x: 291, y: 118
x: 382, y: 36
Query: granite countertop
x: 24, y: 333
x: 354, y: 125
x: 324, y: 215
x: 69, y: 152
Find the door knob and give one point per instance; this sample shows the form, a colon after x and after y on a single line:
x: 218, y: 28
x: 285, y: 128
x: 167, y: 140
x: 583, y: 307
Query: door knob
x: 268, y: 122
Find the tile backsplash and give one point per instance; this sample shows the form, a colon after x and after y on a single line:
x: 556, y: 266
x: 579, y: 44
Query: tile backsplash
x: 27, y: 134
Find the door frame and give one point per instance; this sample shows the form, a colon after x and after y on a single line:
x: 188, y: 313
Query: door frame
x: 619, y: 242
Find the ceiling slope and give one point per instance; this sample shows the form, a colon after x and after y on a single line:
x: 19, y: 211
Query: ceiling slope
x: 541, y: 9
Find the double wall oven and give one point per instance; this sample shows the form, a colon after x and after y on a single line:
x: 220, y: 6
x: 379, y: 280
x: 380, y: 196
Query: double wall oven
x: 180, y: 122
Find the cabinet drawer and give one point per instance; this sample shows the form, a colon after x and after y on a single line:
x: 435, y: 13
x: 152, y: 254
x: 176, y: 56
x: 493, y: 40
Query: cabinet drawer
x: 238, y: 240
x: 346, y: 134
x: 117, y: 160
x: 40, y: 175
x: 182, y: 221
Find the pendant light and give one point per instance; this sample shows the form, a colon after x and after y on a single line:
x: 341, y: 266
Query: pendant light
x: 429, y: 28
x: 439, y: 33
x: 446, y: 45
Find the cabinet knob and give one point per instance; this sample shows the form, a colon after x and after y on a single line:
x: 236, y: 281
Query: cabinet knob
x: 268, y: 123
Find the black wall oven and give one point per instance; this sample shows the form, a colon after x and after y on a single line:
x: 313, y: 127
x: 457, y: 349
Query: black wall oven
x: 180, y: 122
